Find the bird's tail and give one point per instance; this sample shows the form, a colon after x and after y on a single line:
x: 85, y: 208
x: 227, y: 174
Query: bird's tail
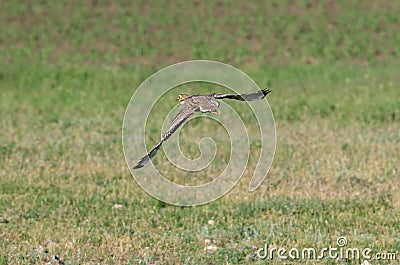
x: 146, y: 159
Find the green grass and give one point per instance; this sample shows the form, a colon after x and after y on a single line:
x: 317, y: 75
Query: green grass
x: 69, y: 69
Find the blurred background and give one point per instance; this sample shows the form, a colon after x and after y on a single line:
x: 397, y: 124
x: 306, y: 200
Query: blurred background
x: 69, y: 68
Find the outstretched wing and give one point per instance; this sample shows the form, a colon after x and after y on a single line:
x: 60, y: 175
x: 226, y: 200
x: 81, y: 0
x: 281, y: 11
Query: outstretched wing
x: 180, y: 118
x: 244, y: 97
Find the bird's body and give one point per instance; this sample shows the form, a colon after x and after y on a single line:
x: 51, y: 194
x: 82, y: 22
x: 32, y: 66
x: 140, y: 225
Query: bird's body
x: 203, y: 103
x: 192, y: 104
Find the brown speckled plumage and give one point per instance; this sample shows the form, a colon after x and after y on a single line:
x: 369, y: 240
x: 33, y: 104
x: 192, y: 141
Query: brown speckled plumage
x: 191, y: 104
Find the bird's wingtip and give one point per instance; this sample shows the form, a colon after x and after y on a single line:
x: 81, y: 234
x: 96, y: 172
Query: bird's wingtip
x: 146, y: 159
x: 266, y: 90
x: 141, y: 162
x: 138, y: 165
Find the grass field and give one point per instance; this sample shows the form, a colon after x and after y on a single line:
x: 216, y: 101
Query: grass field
x: 68, y: 69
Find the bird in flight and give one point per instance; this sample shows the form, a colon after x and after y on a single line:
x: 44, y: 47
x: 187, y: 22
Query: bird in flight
x: 191, y: 104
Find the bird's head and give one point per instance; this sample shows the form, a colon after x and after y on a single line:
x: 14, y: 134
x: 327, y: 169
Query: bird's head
x: 182, y: 97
